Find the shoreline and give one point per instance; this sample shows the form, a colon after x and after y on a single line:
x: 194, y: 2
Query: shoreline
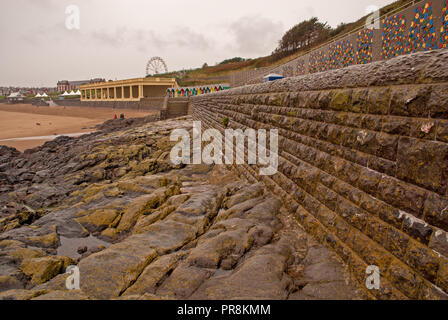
x: 52, y: 137
x: 25, y: 126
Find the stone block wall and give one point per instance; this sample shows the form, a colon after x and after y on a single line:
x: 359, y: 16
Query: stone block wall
x: 363, y: 163
x: 177, y: 107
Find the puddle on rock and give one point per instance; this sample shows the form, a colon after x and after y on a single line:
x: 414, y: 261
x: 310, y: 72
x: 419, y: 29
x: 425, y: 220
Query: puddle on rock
x: 69, y: 246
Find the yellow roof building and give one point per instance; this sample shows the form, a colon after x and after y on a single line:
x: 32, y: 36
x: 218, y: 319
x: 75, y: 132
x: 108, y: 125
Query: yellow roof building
x: 127, y: 90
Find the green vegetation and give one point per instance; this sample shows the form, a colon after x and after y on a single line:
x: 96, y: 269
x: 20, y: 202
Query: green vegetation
x: 2, y: 97
x: 54, y: 95
x: 233, y: 60
x: 225, y: 122
x: 302, y: 37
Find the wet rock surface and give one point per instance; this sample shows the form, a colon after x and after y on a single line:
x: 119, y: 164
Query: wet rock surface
x: 139, y: 227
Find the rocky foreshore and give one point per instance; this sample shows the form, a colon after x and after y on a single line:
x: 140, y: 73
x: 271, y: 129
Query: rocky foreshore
x: 139, y: 227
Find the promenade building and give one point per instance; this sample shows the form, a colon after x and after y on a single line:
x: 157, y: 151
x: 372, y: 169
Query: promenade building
x: 127, y: 90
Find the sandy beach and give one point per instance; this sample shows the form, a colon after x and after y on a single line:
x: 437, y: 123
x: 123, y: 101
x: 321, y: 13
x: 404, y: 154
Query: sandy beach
x: 27, y: 121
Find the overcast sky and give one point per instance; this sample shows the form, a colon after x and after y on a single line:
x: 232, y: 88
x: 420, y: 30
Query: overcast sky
x: 117, y: 37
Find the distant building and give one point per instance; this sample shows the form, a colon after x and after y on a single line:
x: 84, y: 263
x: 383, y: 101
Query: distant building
x: 65, y: 85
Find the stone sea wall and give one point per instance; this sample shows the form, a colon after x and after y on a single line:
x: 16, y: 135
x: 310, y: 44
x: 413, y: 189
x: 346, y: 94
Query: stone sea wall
x: 363, y: 163
x: 147, y: 104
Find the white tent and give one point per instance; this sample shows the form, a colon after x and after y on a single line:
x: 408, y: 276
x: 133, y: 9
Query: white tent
x: 16, y: 95
x: 65, y: 94
x: 78, y: 93
x: 44, y: 95
x: 72, y: 93
x: 38, y: 95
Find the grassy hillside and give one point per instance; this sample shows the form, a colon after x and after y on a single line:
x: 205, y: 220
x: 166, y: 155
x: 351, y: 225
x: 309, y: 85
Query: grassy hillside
x: 220, y: 73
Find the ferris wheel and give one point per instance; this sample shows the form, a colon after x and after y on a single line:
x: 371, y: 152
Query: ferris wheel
x: 156, y: 65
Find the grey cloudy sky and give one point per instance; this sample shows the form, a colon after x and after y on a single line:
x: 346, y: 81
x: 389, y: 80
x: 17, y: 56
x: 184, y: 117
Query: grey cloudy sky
x: 117, y: 37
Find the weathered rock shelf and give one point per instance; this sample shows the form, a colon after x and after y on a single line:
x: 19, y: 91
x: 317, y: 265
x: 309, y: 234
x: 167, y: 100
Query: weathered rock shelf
x: 149, y: 230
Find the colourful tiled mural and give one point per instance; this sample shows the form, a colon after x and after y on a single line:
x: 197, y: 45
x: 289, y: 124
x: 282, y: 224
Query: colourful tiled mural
x: 300, y: 67
x: 318, y: 62
x: 394, y: 38
x: 444, y: 29
x: 415, y: 28
x: 195, y: 91
x: 341, y: 55
x: 422, y: 33
x: 364, y: 40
